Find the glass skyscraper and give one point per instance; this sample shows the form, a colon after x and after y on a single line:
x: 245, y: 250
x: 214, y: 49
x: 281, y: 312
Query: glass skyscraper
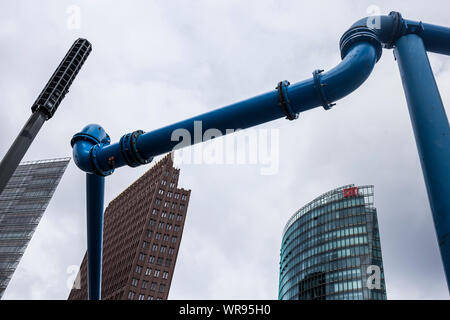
x: 22, y: 203
x: 331, y: 249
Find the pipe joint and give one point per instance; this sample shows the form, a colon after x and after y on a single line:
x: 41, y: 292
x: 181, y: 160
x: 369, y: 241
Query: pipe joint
x: 93, y: 156
x: 357, y: 34
x: 86, y: 145
x: 414, y: 27
x: 319, y: 85
x: 283, y: 100
x: 396, y: 29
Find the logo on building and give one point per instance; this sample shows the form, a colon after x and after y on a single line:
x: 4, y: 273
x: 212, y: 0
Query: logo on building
x: 350, y: 192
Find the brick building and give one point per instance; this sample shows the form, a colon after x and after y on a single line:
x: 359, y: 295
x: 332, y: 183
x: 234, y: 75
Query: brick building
x: 142, y: 234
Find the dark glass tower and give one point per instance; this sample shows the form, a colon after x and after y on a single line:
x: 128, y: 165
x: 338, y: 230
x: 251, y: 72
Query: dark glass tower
x: 22, y: 203
x: 331, y: 249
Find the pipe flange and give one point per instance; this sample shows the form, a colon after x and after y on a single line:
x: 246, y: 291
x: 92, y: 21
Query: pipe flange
x: 358, y: 34
x: 83, y: 136
x: 93, y: 157
x: 398, y: 29
x: 129, y: 149
x: 318, y: 85
x: 414, y: 28
x: 283, y: 100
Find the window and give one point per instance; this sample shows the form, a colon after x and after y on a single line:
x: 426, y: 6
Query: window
x: 156, y: 274
x: 183, y: 197
x: 155, y: 212
x: 131, y: 295
x: 158, y: 202
x: 165, y: 275
x: 151, y: 259
x: 152, y: 223
x: 168, y: 262
x: 177, y: 228
x: 150, y: 298
x: 179, y: 217
x: 155, y: 247
x: 177, y: 196
x: 169, y: 194
x: 171, y: 250
x: 163, y: 249
x: 134, y: 282
x: 158, y: 236
x: 161, y: 225
x: 144, y: 284
x: 163, y: 214
x: 141, y: 297
x: 149, y: 233
x: 166, y: 238
x: 174, y: 239
x: 148, y: 271
x: 172, y: 185
x: 138, y: 269
x: 166, y: 204
x: 164, y: 182
x: 162, y: 288
x: 171, y: 216
x: 160, y: 261
x: 144, y: 244
x: 161, y: 191
x: 141, y: 256
x: 153, y: 286
x: 181, y: 207
x: 174, y: 205
x: 168, y: 226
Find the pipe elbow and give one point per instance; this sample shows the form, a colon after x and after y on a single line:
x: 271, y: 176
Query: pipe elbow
x: 85, y: 145
x: 352, y: 72
x: 382, y: 31
x: 327, y: 87
x: 81, y: 155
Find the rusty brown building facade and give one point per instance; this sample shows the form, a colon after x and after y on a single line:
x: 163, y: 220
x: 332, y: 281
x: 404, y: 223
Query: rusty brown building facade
x: 142, y: 234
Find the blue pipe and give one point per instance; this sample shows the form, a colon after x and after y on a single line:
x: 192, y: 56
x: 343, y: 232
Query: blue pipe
x: 95, y: 188
x: 432, y: 133
x: 392, y: 27
x: 435, y: 38
x: 353, y: 70
x: 361, y: 48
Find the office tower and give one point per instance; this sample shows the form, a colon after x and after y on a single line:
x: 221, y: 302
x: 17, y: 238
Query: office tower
x: 142, y: 233
x: 331, y: 249
x: 22, y: 203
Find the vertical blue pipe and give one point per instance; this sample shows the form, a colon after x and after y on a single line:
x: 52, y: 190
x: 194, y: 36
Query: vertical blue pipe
x: 95, y: 189
x: 432, y: 133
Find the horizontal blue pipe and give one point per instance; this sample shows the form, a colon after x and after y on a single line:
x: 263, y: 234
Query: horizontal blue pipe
x: 435, y: 38
x: 340, y: 81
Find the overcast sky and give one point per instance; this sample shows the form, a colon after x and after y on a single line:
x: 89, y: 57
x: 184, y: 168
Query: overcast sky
x: 157, y: 62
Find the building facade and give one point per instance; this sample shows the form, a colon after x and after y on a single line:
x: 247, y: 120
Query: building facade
x: 22, y: 204
x: 141, y: 238
x: 331, y: 249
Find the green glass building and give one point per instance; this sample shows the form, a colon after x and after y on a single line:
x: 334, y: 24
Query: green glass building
x: 331, y: 249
